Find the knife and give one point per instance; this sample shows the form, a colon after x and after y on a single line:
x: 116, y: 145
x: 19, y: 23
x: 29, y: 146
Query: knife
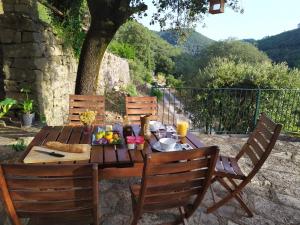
x: 51, y: 153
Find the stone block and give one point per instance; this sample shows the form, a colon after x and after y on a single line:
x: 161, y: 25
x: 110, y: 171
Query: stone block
x: 27, y: 75
x: 32, y: 37
x: 54, y: 50
x: 41, y: 63
x: 10, y: 36
x: 23, y: 50
x: 23, y: 63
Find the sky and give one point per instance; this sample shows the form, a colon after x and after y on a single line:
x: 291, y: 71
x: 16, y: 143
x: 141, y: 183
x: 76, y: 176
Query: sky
x: 261, y: 18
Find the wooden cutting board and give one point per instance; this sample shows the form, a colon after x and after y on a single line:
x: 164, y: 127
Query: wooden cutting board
x: 37, y: 157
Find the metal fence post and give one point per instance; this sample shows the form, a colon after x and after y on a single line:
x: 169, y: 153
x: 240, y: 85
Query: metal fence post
x: 257, y: 106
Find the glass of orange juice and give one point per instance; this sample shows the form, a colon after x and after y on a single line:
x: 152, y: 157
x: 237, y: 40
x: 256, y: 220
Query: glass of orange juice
x: 182, y: 127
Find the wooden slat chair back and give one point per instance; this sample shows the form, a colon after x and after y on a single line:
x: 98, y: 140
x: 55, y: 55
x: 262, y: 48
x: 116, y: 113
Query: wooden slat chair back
x: 82, y: 103
x: 170, y: 180
x: 260, y: 143
x: 256, y: 150
x: 137, y: 106
x: 48, y: 193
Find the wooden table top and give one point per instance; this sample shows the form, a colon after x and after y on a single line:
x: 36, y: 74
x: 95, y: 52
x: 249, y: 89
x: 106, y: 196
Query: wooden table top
x: 104, y: 156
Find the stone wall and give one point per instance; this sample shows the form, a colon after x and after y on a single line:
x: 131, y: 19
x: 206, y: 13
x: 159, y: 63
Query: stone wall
x: 114, y: 72
x: 32, y: 55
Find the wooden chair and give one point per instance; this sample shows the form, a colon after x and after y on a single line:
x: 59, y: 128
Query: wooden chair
x: 257, y: 149
x: 82, y: 103
x: 171, y: 180
x: 137, y: 106
x: 50, y: 194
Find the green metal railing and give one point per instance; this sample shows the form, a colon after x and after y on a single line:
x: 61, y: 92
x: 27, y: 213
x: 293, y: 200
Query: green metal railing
x: 228, y: 110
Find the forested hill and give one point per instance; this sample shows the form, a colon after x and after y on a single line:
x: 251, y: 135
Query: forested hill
x: 193, y: 43
x: 282, y: 47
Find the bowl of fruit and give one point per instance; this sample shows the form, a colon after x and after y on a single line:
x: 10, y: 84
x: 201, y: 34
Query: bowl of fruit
x: 102, y: 137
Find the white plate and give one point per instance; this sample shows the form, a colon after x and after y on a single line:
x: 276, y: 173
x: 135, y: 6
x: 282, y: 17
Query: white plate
x: 157, y: 147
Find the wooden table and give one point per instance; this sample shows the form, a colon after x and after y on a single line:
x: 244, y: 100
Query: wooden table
x: 112, y: 163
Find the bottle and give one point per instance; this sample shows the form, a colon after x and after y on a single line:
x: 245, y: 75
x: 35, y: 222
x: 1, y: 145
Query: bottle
x: 127, y: 128
x: 145, y: 127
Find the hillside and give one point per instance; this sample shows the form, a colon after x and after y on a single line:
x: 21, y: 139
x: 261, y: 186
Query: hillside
x: 282, y: 47
x: 193, y: 43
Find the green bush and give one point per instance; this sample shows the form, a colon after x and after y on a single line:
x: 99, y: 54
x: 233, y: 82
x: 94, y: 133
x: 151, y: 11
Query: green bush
x: 122, y: 49
x: 130, y: 89
x: 223, y: 72
x: 173, y: 82
x: 157, y: 93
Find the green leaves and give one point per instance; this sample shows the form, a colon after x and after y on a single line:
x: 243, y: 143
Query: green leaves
x: 5, y: 106
x: 224, y: 72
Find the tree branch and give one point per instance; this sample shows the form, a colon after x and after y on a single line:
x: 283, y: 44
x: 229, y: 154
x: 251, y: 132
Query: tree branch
x: 136, y: 9
x: 51, y: 7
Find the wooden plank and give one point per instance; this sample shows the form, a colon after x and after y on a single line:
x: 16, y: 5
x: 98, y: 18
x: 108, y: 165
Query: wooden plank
x: 136, y: 156
x: 141, y: 99
x: 178, y: 167
x: 76, y: 135
x: 226, y: 164
x: 110, y: 156
x: 169, y: 188
x: 264, y: 131
x: 65, y: 134
x: 81, y: 110
x: 123, y: 156
x: 35, y: 170
x: 181, y: 155
x: 87, y: 104
x: 53, y: 205
x: 174, y: 178
x: 257, y: 148
x: 166, y: 197
x: 53, y: 134
x: 58, y: 214
x: 135, y: 119
x: 251, y: 154
x: 87, y: 98
x: 97, y: 155
x: 53, y: 195
x: 118, y: 173
x: 29, y: 183
x: 136, y: 105
x: 195, y: 140
x: 236, y: 167
x: 261, y: 139
x: 269, y: 124
x: 141, y: 111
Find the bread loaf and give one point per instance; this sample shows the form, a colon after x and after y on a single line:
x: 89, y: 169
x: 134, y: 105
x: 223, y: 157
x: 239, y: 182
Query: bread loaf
x: 73, y: 148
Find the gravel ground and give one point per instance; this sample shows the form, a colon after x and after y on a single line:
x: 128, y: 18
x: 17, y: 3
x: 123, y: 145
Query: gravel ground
x: 273, y: 195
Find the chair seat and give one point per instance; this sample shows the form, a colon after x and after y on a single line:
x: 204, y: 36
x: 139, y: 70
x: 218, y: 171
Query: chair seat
x: 228, y: 167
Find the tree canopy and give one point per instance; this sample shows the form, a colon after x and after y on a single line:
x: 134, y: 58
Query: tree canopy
x: 106, y: 17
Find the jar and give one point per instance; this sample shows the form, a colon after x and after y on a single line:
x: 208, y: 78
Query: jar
x: 139, y: 140
x: 130, y: 142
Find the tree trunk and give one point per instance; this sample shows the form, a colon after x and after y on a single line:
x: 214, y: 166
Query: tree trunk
x: 91, y: 56
x: 106, y: 18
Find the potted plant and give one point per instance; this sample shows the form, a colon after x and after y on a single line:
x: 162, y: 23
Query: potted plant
x: 27, y: 109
